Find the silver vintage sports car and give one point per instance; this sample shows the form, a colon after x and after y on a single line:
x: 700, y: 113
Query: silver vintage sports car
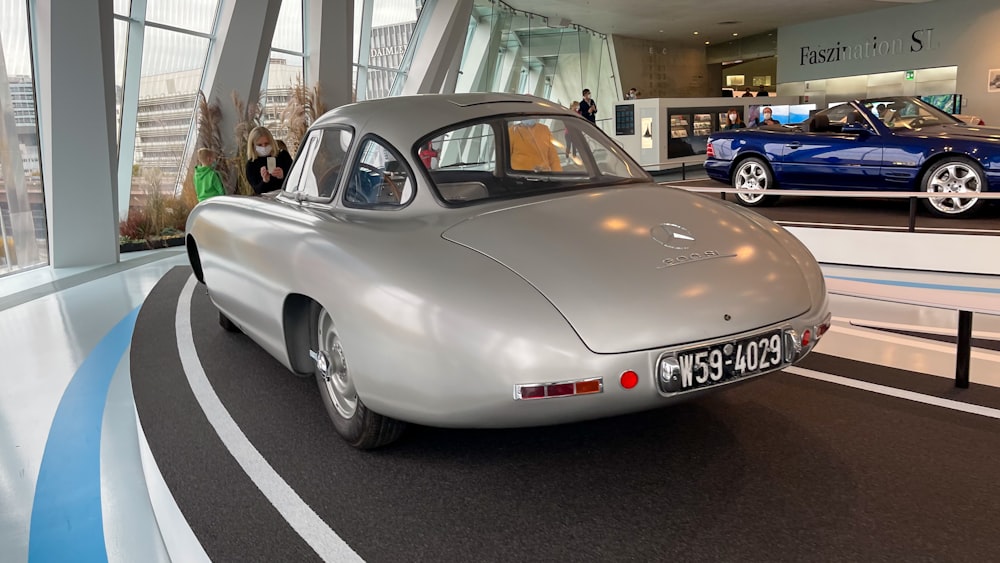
x: 486, y: 260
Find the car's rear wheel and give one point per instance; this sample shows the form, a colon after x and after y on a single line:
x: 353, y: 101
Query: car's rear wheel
x: 753, y: 177
x: 959, y: 178
x: 359, y: 426
x: 226, y: 324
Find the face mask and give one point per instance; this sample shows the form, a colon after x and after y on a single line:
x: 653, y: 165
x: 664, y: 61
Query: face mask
x: 529, y: 122
x: 767, y: 116
x: 732, y: 117
x: 263, y: 150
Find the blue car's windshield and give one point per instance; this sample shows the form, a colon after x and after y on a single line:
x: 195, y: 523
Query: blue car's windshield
x: 907, y: 113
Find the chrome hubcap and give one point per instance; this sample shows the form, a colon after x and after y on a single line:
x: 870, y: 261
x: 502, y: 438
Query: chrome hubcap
x: 332, y: 367
x: 752, y: 177
x: 955, y: 178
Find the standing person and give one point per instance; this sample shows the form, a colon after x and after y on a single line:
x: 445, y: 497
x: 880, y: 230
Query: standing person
x: 734, y: 121
x: 207, y: 182
x: 571, y: 149
x: 747, y: 93
x: 266, y: 164
x: 588, y: 107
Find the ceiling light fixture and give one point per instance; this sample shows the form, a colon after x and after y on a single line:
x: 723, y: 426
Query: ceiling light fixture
x: 735, y: 34
x: 696, y: 33
x: 708, y: 43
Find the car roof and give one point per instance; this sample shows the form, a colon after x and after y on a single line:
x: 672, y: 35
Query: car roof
x: 412, y: 117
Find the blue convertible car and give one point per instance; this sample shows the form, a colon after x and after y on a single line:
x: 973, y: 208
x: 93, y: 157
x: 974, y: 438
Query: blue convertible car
x: 899, y: 143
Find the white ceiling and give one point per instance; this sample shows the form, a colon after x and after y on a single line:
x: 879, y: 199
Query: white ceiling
x: 678, y: 19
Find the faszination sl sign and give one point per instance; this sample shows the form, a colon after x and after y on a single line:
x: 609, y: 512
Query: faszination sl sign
x: 919, y: 40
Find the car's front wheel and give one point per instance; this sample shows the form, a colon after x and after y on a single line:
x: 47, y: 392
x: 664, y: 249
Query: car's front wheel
x: 361, y: 427
x: 958, y: 178
x: 753, y: 177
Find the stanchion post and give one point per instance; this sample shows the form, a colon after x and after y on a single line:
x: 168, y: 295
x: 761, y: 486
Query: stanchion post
x: 913, y: 215
x: 964, y: 350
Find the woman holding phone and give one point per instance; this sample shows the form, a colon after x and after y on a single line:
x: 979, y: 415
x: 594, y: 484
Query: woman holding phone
x: 266, y: 165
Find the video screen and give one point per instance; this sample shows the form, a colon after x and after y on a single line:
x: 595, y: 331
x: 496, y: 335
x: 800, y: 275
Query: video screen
x: 755, y: 114
x: 951, y: 103
x: 782, y: 113
x: 800, y: 112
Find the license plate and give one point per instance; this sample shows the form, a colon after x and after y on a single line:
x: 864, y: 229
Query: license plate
x: 706, y: 366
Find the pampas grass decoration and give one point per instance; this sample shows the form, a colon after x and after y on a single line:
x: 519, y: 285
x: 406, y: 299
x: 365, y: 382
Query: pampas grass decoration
x: 248, y: 116
x: 305, y: 106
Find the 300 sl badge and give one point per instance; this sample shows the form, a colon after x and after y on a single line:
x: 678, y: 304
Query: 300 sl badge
x: 693, y: 257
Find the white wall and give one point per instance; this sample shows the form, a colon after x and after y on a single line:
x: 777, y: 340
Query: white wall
x: 965, y: 33
x: 660, y: 69
x: 966, y: 254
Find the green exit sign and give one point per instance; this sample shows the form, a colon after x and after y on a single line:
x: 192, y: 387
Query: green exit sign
x: 909, y: 75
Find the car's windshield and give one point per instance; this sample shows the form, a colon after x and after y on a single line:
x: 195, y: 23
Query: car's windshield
x: 520, y: 156
x: 907, y: 112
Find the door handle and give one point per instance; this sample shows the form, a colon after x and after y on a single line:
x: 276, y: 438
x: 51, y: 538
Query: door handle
x: 794, y: 145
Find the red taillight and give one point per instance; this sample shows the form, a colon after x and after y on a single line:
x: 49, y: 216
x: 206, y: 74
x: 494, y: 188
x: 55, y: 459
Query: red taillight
x: 629, y: 379
x: 981, y: 122
x: 806, y: 338
x: 533, y: 392
x: 709, y: 150
x: 587, y: 387
x: 558, y: 389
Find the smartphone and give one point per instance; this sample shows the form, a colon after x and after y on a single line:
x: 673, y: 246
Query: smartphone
x: 272, y: 163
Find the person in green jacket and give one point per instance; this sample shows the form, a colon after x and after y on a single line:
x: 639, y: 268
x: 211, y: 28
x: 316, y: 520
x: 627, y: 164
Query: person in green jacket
x: 207, y: 182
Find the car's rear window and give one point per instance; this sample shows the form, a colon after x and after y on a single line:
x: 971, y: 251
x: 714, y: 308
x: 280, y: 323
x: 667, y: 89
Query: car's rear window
x: 520, y: 156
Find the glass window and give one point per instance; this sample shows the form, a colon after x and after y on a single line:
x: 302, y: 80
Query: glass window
x: 508, y: 50
x: 121, y: 50
x: 288, y: 30
x: 23, y: 231
x: 123, y: 7
x: 542, y: 154
x: 284, y: 82
x: 194, y: 15
x: 392, y: 26
x: 172, y: 66
x: 320, y: 163
x: 379, y: 178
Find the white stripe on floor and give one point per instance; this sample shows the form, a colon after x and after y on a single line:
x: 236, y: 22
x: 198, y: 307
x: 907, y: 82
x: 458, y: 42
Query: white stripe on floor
x: 324, y: 541
x: 893, y: 392
x: 950, y: 331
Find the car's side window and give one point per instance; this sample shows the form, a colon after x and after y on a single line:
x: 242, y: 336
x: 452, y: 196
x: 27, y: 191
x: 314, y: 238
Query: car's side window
x: 308, y: 145
x: 379, y: 177
x: 327, y: 163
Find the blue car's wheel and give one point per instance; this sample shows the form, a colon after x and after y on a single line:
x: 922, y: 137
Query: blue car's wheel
x: 959, y: 178
x: 753, y: 177
x: 361, y: 427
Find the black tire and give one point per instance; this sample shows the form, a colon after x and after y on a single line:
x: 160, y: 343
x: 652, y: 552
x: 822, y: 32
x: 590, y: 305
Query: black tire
x: 356, y: 423
x: 753, y: 176
x: 954, y: 174
x: 227, y: 325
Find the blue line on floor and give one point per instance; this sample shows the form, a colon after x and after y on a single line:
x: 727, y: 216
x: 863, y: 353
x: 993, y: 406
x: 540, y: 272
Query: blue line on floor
x: 66, y: 518
x: 921, y: 285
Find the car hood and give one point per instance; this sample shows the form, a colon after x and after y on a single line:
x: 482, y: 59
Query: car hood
x: 955, y: 131
x: 644, y: 267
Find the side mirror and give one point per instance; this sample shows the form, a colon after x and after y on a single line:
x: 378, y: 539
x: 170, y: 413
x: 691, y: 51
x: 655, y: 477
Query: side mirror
x: 857, y: 128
